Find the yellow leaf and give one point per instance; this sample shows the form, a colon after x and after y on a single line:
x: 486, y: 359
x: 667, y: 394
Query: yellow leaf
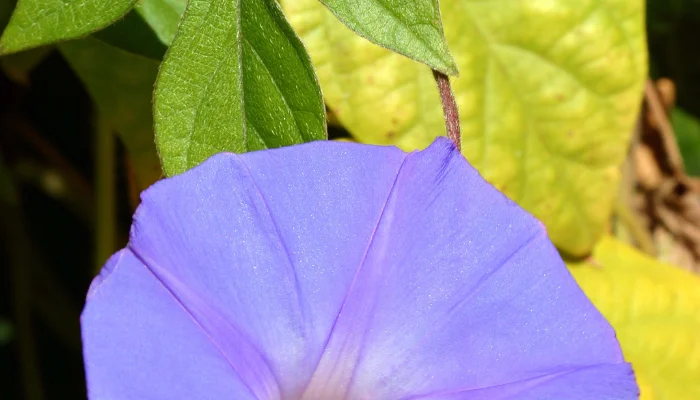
x: 548, y: 92
x: 655, y: 310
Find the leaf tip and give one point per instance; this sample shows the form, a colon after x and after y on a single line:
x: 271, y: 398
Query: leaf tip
x: 445, y: 63
x: 451, y: 69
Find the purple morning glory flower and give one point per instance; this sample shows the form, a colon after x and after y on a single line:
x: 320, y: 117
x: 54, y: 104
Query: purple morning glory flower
x: 342, y: 271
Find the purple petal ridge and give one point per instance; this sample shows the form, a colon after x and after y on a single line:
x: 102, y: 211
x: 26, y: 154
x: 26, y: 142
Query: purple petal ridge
x: 342, y: 271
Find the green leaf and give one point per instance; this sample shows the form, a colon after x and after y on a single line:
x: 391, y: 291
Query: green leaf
x: 147, y: 30
x: 236, y: 78
x: 548, y: 94
x: 121, y: 84
x: 409, y: 27
x: 38, y: 22
x: 163, y: 16
x: 655, y: 310
x: 133, y: 34
x: 687, y: 130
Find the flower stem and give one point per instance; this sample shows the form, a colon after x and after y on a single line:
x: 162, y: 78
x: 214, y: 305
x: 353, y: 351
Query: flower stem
x: 449, y: 108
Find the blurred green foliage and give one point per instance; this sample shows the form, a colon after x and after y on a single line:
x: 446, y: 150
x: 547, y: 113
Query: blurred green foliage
x: 687, y: 129
x: 546, y: 115
x: 673, y: 28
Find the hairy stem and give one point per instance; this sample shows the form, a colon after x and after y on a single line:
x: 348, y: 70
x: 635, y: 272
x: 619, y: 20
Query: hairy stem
x: 449, y: 108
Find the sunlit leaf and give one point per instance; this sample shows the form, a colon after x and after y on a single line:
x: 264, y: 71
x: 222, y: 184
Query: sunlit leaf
x: 39, y: 22
x: 548, y: 92
x: 121, y: 85
x: 408, y: 27
x: 655, y: 310
x: 236, y: 78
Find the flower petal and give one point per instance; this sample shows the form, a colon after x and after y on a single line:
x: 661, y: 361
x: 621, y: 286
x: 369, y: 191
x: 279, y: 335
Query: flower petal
x: 337, y: 270
x: 612, y: 382
x: 459, y: 289
x: 269, y: 242
x: 140, y: 343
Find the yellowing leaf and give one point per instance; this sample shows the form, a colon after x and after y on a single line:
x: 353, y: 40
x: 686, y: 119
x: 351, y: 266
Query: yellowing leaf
x: 548, y: 92
x: 655, y: 310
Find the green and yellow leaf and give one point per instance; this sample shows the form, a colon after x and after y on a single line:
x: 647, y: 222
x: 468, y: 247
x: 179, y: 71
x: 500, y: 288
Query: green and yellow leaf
x: 546, y: 113
x: 655, y: 310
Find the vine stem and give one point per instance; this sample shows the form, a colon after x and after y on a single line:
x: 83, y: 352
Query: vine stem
x: 449, y: 108
x: 105, y: 230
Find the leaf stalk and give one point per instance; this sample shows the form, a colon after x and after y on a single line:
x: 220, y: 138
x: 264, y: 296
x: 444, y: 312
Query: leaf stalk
x: 449, y: 108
